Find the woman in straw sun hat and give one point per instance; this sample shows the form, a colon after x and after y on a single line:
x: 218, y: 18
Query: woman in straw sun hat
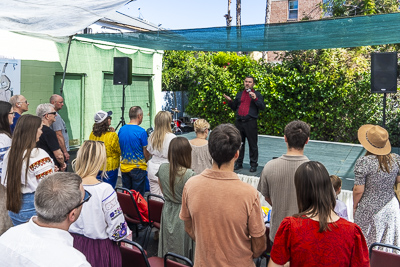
x: 375, y: 204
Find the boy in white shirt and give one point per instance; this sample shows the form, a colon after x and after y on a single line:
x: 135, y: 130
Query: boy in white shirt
x: 340, y: 208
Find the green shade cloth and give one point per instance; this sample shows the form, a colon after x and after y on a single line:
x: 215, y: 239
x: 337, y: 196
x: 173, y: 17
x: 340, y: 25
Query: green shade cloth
x: 327, y: 33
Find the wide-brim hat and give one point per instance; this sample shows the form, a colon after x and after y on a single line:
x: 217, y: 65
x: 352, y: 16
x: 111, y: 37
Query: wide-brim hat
x: 374, y: 139
x: 101, y: 115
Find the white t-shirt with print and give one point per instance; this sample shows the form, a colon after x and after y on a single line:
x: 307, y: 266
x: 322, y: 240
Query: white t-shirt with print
x: 101, y: 217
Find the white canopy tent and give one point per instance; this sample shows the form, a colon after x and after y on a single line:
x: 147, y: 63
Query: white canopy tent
x: 56, y: 20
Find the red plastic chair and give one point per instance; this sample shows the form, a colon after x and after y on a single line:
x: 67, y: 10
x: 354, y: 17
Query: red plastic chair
x: 137, y: 256
x: 170, y: 261
x: 131, y: 211
x: 155, y: 209
x: 379, y: 258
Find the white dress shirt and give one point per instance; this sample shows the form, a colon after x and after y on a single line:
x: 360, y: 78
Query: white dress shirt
x: 32, y: 245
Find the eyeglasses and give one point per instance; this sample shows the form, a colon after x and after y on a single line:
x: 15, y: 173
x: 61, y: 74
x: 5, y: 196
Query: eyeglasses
x: 85, y: 199
x: 53, y: 113
x: 11, y: 113
x: 26, y: 101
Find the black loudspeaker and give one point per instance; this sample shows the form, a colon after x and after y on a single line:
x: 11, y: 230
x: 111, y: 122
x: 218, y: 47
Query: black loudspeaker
x: 122, y: 71
x: 384, y: 72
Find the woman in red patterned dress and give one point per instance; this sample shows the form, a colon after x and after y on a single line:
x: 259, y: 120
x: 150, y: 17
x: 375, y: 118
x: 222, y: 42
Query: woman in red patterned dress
x: 317, y: 236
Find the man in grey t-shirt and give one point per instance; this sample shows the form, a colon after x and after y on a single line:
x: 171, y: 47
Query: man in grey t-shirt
x: 59, y: 125
x: 277, y: 178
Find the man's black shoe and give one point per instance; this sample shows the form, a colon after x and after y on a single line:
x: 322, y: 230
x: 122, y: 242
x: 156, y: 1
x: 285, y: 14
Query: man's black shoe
x: 253, y: 169
x: 238, y: 167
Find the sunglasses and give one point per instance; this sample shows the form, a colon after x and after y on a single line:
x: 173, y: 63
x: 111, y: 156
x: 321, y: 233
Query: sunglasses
x: 53, y: 113
x: 85, y: 199
x: 11, y: 113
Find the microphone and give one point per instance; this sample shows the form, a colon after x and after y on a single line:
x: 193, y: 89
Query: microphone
x: 248, y: 90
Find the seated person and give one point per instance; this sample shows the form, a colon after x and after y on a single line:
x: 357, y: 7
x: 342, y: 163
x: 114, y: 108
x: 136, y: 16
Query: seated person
x: 316, y: 236
x: 44, y: 240
x: 340, y: 208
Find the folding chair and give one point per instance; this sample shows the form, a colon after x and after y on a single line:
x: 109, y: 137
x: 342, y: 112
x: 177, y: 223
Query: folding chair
x: 267, y: 252
x: 379, y: 258
x: 170, y: 260
x: 135, y: 255
x: 155, y: 209
x: 131, y: 212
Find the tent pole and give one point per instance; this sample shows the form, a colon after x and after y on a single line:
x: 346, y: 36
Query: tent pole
x: 66, y: 63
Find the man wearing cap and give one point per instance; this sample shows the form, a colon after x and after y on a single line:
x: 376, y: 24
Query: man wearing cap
x: 20, y: 105
x: 59, y: 125
x: 133, y: 142
x: 48, y: 139
x: 102, y: 131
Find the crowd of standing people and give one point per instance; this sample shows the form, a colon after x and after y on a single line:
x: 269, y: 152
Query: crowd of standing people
x: 209, y: 215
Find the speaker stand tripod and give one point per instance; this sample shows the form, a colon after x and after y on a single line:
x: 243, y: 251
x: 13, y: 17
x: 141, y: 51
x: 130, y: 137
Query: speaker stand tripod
x: 384, y: 110
x: 122, y: 121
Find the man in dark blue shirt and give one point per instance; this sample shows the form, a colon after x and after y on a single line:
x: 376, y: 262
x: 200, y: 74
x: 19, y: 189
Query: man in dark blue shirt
x: 20, y: 105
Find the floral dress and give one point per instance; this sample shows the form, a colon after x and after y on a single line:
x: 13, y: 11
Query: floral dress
x: 378, y: 213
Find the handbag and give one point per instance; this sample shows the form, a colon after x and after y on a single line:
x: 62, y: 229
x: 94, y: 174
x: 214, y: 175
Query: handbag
x: 142, y: 205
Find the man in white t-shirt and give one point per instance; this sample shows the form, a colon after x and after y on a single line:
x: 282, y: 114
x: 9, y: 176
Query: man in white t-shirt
x: 44, y: 240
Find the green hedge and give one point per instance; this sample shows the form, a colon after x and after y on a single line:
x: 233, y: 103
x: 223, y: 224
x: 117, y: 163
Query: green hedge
x: 329, y: 89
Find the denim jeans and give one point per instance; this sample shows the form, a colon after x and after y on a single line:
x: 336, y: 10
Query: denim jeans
x: 26, y: 212
x: 135, y: 179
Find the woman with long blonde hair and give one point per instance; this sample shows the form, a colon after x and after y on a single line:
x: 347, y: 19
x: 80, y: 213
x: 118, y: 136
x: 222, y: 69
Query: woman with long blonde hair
x: 158, y: 148
x: 101, y: 222
x: 201, y: 158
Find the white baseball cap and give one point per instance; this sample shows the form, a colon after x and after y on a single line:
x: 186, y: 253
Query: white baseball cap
x: 101, y: 115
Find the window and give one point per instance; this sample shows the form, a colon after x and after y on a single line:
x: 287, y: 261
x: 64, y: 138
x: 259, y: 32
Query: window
x: 293, y: 9
x: 327, y: 6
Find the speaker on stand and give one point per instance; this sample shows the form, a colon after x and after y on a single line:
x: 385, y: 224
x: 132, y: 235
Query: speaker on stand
x: 384, y: 76
x: 122, y: 76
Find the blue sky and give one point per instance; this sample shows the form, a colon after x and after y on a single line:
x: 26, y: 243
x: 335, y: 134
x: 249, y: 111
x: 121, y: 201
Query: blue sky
x: 187, y: 14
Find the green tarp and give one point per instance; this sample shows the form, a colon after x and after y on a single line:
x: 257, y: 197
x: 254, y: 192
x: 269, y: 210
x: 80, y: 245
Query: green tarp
x: 326, y: 33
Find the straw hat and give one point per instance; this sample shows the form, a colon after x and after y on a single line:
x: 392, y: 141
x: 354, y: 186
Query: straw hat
x: 374, y: 139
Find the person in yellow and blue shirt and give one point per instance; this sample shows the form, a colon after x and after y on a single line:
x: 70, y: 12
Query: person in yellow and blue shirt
x: 133, y: 142
x: 106, y: 134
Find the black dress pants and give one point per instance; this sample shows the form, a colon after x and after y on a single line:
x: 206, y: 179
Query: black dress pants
x: 248, y: 129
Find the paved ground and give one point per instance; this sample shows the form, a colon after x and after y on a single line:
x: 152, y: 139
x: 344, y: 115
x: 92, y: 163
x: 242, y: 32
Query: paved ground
x: 338, y: 158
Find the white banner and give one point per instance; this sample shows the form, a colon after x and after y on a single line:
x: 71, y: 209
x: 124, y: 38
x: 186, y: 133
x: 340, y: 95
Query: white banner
x: 10, y: 78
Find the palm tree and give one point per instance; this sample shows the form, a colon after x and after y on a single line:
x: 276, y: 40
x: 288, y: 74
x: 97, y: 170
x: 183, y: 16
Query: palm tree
x: 228, y: 16
x: 238, y: 12
x: 267, y: 18
x: 238, y: 24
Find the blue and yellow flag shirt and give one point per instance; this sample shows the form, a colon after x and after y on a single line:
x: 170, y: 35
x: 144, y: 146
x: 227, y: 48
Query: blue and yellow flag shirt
x: 132, y: 139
